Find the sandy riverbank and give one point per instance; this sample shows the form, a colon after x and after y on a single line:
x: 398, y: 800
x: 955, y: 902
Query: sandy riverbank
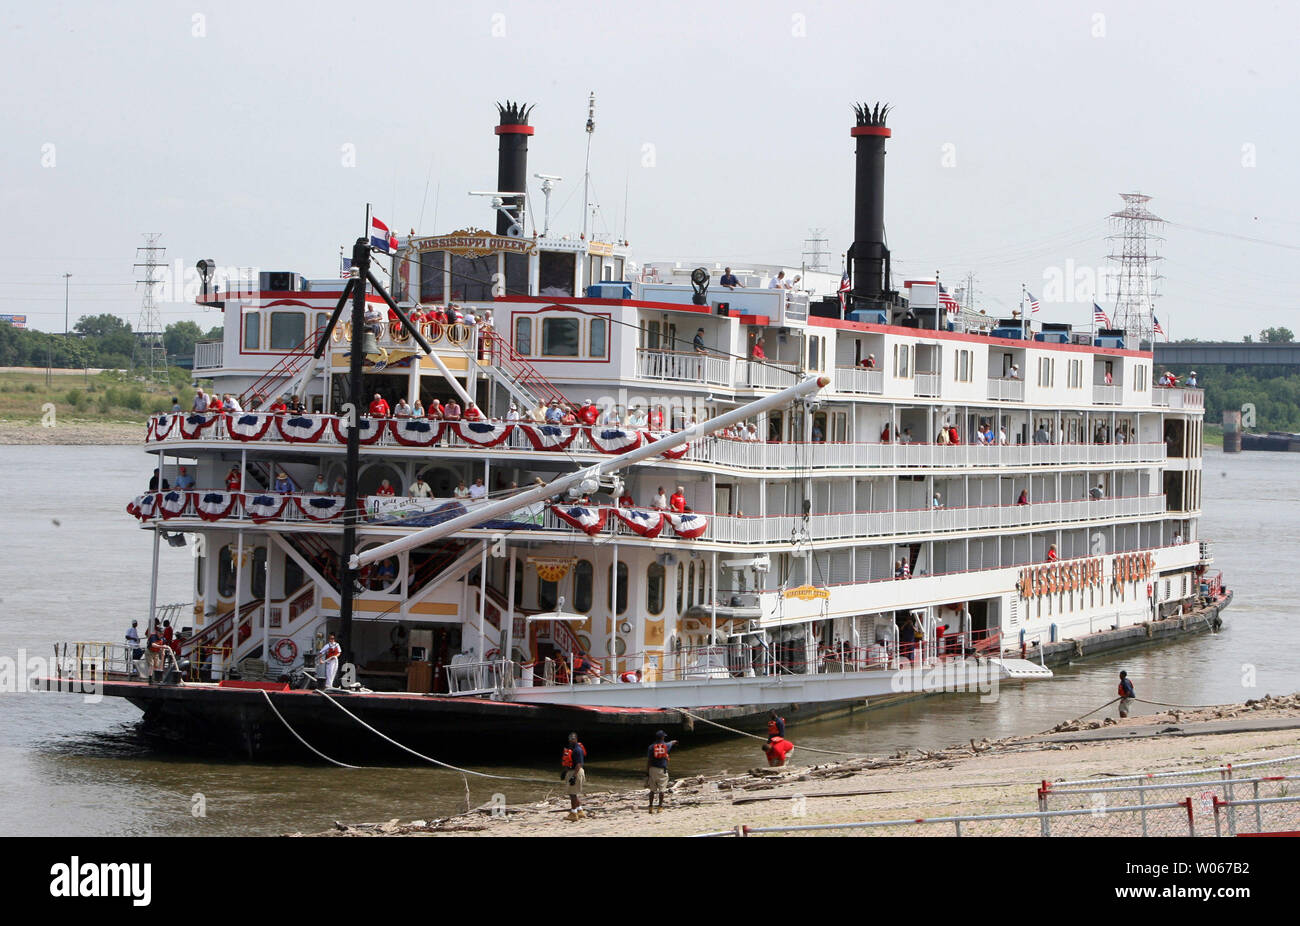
x: 976, y: 778
x: 71, y: 432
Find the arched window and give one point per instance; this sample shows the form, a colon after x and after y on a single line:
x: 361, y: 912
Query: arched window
x: 583, y: 573
x: 226, y: 572
x: 690, y: 585
x: 654, y: 588
x: 681, y: 587
x: 622, y: 587
x: 519, y: 581
x: 547, y: 594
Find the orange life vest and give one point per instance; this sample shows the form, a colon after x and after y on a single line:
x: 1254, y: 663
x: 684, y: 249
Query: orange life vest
x: 660, y: 751
x: 566, y: 758
x: 772, y: 728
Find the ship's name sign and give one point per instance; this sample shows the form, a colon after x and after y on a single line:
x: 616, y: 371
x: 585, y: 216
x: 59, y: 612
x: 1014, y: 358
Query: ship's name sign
x: 473, y: 242
x: 807, y: 593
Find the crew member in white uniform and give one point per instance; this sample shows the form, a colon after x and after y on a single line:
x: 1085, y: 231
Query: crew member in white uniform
x: 328, y: 659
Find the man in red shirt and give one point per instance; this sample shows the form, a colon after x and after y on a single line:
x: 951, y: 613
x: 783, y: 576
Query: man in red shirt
x: 472, y: 413
x: 678, y: 501
x: 232, y: 479
x: 777, y: 749
x: 385, y: 489
x: 378, y: 407
x: 588, y: 413
x: 756, y: 352
x: 434, y: 412
x: 278, y: 407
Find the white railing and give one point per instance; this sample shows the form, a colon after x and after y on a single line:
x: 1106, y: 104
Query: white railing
x: 1107, y: 393
x: 1181, y: 397
x: 926, y: 384
x: 678, y: 366
x: 767, y: 374
x: 207, y: 355
x: 855, y: 380
x: 1006, y: 390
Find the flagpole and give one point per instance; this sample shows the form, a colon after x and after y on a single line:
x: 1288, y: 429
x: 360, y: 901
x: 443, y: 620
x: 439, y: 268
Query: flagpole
x: 1022, y: 312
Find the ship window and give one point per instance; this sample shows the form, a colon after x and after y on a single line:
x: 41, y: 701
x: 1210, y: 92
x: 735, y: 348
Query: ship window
x: 547, y: 594
x: 252, y: 331
x: 618, y: 269
x: 226, y: 572
x: 813, y: 353
x: 651, y: 341
x: 555, y: 274
x: 560, y: 337
x: 201, y: 563
x: 902, y: 361
x: 516, y: 274
x: 654, y: 588
x: 524, y: 336
x: 519, y: 581
x: 597, y: 337
x: 258, y: 578
x: 690, y: 583
x: 681, y: 586
x: 622, y: 587
x: 432, y: 265
x: 471, y: 278
x: 582, y: 576
x: 288, y: 329
x: 594, y: 264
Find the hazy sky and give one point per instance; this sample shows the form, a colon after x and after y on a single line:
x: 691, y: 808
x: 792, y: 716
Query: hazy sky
x: 254, y: 133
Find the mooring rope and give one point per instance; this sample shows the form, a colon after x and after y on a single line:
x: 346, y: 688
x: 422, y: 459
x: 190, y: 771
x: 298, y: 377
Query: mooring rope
x: 723, y: 726
x: 271, y: 705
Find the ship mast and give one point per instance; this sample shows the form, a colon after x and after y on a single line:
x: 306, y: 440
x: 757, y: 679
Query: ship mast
x: 586, y: 177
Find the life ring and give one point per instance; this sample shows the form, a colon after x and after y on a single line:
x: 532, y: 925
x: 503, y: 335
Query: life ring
x: 285, y: 651
x: 491, y: 654
x: 398, y: 332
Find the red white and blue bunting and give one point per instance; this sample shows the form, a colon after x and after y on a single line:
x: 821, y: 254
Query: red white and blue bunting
x: 264, y: 506
x: 687, y: 526
x: 549, y: 436
x: 247, y: 425
x: 370, y: 429
x: 590, y: 520
x: 416, y: 432
x: 194, y: 424
x: 161, y: 425
x: 213, y: 506
x: 142, y: 506
x: 613, y: 439
x: 172, y: 503
x: 645, y: 522
x: 320, y: 507
x: 675, y: 453
x: 304, y: 429
x: 482, y: 433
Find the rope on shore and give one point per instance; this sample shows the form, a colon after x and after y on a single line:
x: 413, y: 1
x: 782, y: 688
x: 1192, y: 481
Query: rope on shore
x: 1093, y: 711
x: 446, y: 765
x: 722, y: 726
x: 271, y: 705
x: 1193, y: 707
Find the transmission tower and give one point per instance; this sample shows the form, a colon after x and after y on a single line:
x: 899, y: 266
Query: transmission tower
x: 149, y: 329
x: 816, y: 250
x: 1134, y: 240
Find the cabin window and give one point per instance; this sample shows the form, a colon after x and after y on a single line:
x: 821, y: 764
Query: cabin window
x: 547, y: 594
x: 257, y: 583
x: 690, y: 584
x: 1076, y: 374
x: 681, y: 586
x: 902, y: 361
x: 582, y: 583
x: 555, y: 274
x: 432, y: 273
x: 524, y: 336
x: 654, y: 588
x: 622, y: 587
x: 650, y: 336
x: 252, y: 331
x: 471, y: 278
x: 201, y: 565
x: 226, y: 572
x: 618, y: 268
x: 814, y: 353
x: 288, y: 330
x: 516, y: 274
x: 560, y: 337
x: 597, y: 338
x: 963, y: 371
x: 1046, y: 371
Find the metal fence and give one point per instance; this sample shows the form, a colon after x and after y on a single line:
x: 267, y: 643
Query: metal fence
x: 1271, y: 816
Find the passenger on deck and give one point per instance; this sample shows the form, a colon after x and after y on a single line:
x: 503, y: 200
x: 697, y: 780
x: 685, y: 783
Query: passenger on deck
x: 278, y: 407
x: 403, y: 409
x: 1024, y: 497
x: 698, y: 343
x: 636, y: 418
x: 417, y: 410
x: 537, y: 414
x: 340, y: 486
x: 378, y: 407
x: 611, y: 418
x: 778, y: 281
x: 569, y: 419
x: 1097, y: 493
x: 1014, y: 372
x: 678, y: 500
x: 660, y: 502
x: 472, y: 413
x: 386, y: 489
x: 630, y: 677
x: 554, y: 414
x: 214, y: 404
x: 478, y: 491
x: 231, y: 403
x: 756, y: 352
x: 421, y: 488
x: 942, y: 437
x: 625, y: 500
x: 320, y: 486
x: 461, y: 490
x: 283, y: 483
x: 729, y: 280
x: 200, y: 401
x: 232, y: 479
x: 588, y: 413
x: 184, y: 480
x: 435, y: 411
x: 512, y: 413
x: 877, y: 653
x: 870, y: 362
x: 296, y: 407
x: 451, y: 411
x: 1051, y: 553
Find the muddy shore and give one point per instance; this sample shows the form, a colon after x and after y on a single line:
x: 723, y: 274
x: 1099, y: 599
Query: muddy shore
x: 985, y: 777
x: 72, y: 433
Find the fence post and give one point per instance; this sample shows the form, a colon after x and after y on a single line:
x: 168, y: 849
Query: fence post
x: 1142, y: 800
x: 957, y: 824
x: 1230, y: 797
x: 1218, y: 828
x: 1191, y: 822
x: 1044, y: 826
x: 1259, y: 820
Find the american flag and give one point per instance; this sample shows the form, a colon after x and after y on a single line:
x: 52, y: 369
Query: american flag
x: 1156, y: 322
x: 1033, y: 303
x: 1099, y: 316
x: 345, y: 266
x: 844, y: 288
x: 947, y: 301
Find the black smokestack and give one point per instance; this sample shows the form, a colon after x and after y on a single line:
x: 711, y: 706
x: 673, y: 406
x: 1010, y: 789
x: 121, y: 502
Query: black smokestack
x: 870, y: 256
x: 512, y: 160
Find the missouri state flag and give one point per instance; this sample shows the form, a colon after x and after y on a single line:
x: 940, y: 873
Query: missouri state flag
x: 381, y: 239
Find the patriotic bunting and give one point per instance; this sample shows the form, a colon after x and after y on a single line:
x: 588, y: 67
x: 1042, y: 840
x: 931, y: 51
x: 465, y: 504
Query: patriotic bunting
x: 588, y: 520
x: 613, y: 439
x: 687, y: 526
x: 646, y: 523
x: 320, y: 507
x: 304, y: 429
x: 549, y: 436
x: 247, y: 425
x: 192, y: 425
x: 370, y: 429
x: 160, y: 426
x: 416, y: 432
x: 213, y: 506
x: 482, y: 433
x: 172, y: 503
x: 676, y: 453
x: 264, y: 505
x: 142, y: 506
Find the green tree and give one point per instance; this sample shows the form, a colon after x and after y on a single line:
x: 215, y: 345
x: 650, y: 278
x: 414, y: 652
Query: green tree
x: 1276, y: 336
x: 179, y: 338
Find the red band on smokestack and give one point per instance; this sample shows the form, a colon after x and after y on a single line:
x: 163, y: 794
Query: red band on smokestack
x: 870, y: 130
x: 513, y: 130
